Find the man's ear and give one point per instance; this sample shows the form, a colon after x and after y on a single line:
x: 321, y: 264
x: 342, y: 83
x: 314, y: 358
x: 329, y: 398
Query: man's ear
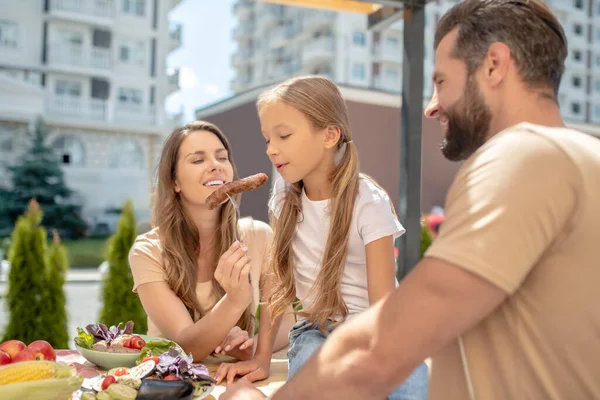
x: 333, y: 135
x: 496, y: 63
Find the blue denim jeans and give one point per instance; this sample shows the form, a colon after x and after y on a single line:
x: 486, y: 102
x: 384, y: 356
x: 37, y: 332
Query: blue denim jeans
x: 305, y: 340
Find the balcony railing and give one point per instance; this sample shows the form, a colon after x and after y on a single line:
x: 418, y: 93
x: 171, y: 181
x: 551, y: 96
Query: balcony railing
x: 135, y: 113
x: 93, y: 8
x: 79, y: 56
x: 77, y: 107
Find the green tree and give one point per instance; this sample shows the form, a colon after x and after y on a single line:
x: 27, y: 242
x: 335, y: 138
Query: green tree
x: 54, y: 317
x: 38, y: 175
x: 119, y: 303
x: 26, y: 279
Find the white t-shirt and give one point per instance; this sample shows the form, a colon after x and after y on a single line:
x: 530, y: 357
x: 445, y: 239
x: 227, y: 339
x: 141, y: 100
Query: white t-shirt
x: 373, y: 219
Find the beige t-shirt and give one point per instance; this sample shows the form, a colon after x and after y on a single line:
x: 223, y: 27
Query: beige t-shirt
x: 145, y: 260
x: 524, y: 214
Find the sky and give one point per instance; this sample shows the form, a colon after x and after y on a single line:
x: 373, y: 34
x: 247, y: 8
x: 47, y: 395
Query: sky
x: 204, y: 57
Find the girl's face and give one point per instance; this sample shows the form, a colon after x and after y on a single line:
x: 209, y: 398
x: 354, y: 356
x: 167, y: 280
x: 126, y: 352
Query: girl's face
x: 294, y: 147
x: 203, y: 165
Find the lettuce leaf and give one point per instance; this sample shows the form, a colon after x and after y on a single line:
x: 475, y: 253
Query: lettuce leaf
x: 84, y: 339
x: 156, y: 348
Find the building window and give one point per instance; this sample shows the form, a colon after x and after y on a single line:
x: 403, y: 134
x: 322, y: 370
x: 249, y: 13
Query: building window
x: 132, y: 52
x: 67, y: 88
x: 576, y: 81
x: 598, y: 59
x: 577, y: 55
x: 578, y: 29
x: 391, y: 41
x: 358, y: 71
x: 126, y: 154
x: 8, y: 34
x: 134, y: 7
x: 358, y: 38
x: 575, y: 108
x: 597, y: 111
x: 579, y: 4
x: 391, y: 74
x: 69, y: 149
x: 128, y: 96
x: 597, y: 86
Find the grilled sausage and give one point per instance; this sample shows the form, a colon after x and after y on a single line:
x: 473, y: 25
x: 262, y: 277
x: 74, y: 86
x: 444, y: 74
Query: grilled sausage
x: 241, y: 185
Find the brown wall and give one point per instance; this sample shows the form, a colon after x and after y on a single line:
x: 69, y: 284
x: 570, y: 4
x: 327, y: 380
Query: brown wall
x: 376, y: 133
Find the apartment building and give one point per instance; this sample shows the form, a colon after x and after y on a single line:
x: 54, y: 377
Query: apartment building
x: 276, y: 42
x: 95, y: 70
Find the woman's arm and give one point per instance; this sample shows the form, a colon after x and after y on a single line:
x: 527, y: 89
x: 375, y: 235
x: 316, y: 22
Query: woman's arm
x: 171, y: 317
x: 381, y: 268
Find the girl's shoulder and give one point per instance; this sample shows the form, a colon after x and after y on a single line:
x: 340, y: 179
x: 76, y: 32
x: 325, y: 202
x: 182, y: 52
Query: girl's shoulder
x: 369, y: 191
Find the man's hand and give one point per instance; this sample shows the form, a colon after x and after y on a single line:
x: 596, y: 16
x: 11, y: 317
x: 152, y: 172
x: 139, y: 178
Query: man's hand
x: 251, y: 370
x: 242, y: 390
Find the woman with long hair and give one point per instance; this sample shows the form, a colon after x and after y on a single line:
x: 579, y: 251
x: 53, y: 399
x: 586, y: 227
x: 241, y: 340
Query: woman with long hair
x: 199, y: 286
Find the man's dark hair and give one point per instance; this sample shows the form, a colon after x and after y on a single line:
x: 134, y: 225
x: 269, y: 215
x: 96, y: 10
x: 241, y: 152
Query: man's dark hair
x: 534, y: 35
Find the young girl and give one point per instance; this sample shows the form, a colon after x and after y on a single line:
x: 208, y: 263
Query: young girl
x: 334, y: 228
x: 191, y: 276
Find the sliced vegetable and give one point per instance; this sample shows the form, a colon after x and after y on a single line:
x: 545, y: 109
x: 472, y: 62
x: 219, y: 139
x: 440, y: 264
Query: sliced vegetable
x: 136, y: 343
x: 109, y: 380
x: 88, y: 396
x: 121, y: 371
x: 143, y: 370
x: 153, y: 358
x: 103, y: 396
x: 171, y: 378
x: 121, y: 392
x: 130, y: 381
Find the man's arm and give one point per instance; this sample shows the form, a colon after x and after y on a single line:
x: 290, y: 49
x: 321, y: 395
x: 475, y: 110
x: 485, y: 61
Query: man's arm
x: 371, y: 355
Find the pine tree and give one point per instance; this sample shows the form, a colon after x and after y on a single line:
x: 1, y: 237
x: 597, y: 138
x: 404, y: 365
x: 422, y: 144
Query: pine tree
x: 26, y: 279
x: 119, y: 303
x: 39, y: 176
x: 54, y: 317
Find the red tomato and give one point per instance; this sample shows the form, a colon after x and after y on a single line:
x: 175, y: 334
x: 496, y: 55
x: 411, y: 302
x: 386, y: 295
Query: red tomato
x: 127, y: 342
x: 121, y: 371
x: 153, y: 358
x: 137, y: 343
x: 109, y: 380
x: 171, y: 378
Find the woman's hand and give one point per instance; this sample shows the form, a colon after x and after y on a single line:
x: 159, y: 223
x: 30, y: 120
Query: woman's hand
x: 237, y: 344
x: 251, y: 370
x: 232, y: 274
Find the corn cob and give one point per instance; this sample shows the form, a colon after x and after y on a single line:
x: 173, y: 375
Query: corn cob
x: 30, y: 371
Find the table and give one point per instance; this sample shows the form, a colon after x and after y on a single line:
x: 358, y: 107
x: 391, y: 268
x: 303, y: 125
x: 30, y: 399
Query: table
x: 279, y: 370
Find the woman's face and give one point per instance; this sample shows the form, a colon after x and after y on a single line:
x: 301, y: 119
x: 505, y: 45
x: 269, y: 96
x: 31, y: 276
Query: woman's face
x: 203, y: 165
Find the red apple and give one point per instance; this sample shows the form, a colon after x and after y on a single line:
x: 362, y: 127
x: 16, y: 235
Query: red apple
x: 5, y: 358
x: 12, y: 347
x: 26, y: 355
x: 44, y: 350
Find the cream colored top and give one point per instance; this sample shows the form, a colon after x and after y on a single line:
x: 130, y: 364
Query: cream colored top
x: 145, y: 261
x: 523, y: 213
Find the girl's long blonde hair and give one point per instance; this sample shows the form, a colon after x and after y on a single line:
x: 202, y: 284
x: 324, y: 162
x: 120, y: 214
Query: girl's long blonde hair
x: 178, y: 234
x: 320, y: 100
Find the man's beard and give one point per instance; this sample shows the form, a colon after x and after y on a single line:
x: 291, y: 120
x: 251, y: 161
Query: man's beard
x: 468, y: 124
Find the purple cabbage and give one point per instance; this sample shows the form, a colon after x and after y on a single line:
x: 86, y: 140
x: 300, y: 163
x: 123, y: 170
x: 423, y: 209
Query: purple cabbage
x: 182, y: 366
x: 102, y: 332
